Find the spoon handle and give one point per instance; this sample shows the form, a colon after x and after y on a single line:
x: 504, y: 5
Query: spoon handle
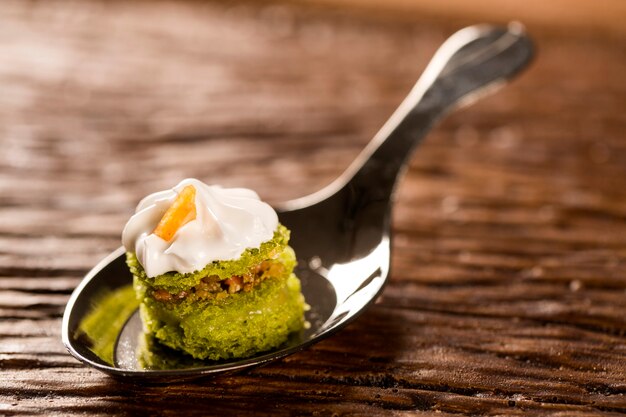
x: 470, y: 63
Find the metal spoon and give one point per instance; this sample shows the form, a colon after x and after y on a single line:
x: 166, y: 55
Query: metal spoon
x: 341, y: 234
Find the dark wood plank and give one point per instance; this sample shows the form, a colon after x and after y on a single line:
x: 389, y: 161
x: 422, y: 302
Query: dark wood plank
x: 508, y: 289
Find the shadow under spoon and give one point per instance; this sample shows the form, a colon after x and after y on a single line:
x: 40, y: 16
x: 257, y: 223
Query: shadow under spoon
x: 340, y: 234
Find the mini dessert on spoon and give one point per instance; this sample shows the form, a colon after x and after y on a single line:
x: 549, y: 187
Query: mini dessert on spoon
x: 213, y: 271
x: 342, y: 231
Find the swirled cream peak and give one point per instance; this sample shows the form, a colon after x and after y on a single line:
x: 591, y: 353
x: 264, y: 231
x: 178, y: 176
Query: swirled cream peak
x: 227, y: 222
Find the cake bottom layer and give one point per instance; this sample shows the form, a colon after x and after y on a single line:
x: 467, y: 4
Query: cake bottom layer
x: 239, y: 326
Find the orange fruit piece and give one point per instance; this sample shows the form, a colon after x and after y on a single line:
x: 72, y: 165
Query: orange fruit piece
x: 181, y: 212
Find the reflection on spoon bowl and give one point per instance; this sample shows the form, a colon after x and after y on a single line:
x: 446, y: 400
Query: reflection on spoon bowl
x: 340, y: 234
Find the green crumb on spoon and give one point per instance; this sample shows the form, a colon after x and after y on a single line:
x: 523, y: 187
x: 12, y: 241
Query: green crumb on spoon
x: 105, y: 320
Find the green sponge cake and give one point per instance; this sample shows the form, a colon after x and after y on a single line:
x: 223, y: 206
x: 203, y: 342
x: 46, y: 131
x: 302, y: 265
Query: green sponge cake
x: 241, y: 302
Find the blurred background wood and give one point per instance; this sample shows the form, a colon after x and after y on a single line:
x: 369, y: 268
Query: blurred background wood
x: 508, y: 290
x: 604, y: 16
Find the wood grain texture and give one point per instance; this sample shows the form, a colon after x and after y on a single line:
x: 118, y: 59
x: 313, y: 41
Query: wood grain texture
x: 606, y: 16
x: 508, y: 288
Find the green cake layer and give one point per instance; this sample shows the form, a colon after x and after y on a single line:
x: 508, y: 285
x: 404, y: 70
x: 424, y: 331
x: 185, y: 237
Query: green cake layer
x: 202, y: 315
x: 237, y: 327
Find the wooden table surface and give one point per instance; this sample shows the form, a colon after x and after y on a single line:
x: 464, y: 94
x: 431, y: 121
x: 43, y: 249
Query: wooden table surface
x: 508, y: 289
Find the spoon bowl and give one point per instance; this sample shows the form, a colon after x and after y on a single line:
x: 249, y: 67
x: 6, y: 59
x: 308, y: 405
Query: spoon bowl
x: 340, y: 234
